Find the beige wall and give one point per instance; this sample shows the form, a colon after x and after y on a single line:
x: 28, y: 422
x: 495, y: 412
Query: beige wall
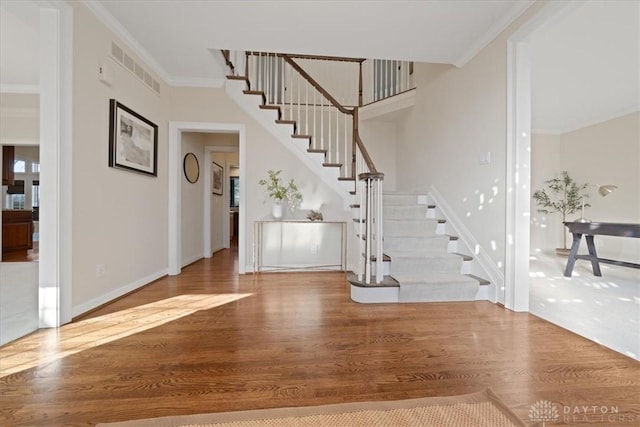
x: 192, y: 203
x: 546, y: 229
x: 604, y: 153
x: 19, y: 119
x: 608, y: 153
x: 120, y: 218
x: 379, y: 138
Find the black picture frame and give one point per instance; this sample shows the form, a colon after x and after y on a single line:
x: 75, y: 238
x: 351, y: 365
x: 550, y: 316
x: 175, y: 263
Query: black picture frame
x: 133, y: 140
x: 217, y: 177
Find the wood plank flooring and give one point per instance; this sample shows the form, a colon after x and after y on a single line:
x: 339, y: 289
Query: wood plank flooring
x: 211, y: 341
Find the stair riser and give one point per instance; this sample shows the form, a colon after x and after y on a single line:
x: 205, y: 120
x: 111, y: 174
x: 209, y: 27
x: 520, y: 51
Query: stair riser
x: 400, y: 200
x: 405, y: 212
x: 424, y: 227
x: 431, y: 243
x: 424, y: 266
x: 436, y: 292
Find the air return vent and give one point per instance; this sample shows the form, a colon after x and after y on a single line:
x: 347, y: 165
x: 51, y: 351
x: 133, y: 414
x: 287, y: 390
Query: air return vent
x: 130, y: 64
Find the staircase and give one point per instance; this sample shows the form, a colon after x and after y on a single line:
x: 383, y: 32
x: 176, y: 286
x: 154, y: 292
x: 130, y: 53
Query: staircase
x: 419, y: 263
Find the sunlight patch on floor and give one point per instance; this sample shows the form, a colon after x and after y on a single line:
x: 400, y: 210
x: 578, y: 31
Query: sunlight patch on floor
x: 49, y: 345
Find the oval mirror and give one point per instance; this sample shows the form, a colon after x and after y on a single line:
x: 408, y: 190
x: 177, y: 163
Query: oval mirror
x: 191, y: 167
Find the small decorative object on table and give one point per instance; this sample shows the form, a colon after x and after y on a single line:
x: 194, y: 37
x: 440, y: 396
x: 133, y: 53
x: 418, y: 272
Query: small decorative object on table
x: 315, y: 216
x: 279, y: 192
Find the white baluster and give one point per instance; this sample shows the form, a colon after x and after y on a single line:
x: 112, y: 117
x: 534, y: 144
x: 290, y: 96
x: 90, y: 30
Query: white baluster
x: 306, y: 108
x: 322, y: 122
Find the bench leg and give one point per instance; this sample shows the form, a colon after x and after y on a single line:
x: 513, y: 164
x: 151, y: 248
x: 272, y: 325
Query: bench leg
x: 593, y: 256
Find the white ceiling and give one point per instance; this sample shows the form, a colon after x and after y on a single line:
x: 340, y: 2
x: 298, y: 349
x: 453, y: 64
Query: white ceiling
x: 178, y: 35
x: 585, y: 65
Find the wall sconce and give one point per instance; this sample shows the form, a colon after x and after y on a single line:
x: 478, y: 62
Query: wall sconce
x: 603, y: 190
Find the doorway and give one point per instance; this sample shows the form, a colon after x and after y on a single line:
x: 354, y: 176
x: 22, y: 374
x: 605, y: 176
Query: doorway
x: 176, y: 130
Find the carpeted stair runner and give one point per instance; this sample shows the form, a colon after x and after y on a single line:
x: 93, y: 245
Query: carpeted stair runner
x: 420, y: 262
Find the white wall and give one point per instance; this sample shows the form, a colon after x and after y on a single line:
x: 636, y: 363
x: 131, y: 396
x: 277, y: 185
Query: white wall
x: 192, y: 203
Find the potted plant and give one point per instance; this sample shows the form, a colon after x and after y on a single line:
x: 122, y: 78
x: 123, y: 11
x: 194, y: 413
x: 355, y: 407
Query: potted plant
x: 279, y: 192
x: 562, y: 195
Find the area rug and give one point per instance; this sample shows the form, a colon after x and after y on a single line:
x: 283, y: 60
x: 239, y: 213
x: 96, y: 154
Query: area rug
x: 477, y: 409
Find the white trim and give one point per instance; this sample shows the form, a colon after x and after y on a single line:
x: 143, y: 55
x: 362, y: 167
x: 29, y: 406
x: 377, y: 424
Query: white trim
x: 20, y: 141
x: 488, y: 266
x: 175, y: 162
x: 19, y: 88
x: 112, y: 24
x: 116, y: 293
x: 516, y: 10
x: 56, y: 132
x: 518, y: 156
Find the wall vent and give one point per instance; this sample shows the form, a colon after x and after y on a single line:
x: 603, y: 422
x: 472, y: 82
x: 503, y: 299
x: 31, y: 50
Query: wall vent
x: 130, y: 64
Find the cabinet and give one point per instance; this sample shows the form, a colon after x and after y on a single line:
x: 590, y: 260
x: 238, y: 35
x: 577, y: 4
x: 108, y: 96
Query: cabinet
x: 17, y: 230
x: 8, y: 156
x: 293, y: 245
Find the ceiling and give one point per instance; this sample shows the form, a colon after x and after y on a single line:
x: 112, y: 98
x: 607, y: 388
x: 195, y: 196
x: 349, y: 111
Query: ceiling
x: 585, y: 64
x: 179, y: 34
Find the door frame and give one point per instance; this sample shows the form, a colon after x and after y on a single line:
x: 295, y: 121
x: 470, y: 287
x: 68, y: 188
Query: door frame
x: 175, y: 164
x: 515, y: 295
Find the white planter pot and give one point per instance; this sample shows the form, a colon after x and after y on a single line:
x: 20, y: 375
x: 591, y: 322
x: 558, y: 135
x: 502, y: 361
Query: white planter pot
x: 276, y: 209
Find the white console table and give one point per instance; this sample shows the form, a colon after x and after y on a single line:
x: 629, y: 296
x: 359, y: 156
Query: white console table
x: 299, y: 244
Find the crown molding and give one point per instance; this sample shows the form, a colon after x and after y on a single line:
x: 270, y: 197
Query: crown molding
x: 516, y: 10
x: 112, y: 24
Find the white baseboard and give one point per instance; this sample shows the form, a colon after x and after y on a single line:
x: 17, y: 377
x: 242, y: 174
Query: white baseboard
x: 484, y: 261
x: 191, y: 260
x: 110, y: 296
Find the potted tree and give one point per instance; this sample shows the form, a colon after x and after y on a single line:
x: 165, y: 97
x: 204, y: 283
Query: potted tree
x: 562, y: 194
x: 279, y: 193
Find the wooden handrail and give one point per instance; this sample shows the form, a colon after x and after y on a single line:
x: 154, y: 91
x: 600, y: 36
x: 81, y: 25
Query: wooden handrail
x: 227, y: 60
x: 360, y: 144
x: 318, y: 57
x: 316, y: 85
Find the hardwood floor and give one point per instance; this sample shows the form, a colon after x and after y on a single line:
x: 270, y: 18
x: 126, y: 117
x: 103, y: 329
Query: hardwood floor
x: 211, y: 341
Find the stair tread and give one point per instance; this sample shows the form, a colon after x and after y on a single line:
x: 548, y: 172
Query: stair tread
x: 286, y: 122
x: 465, y: 257
x: 355, y: 206
x: 346, y: 178
x: 387, y: 281
x: 297, y: 135
x: 332, y: 165
x: 483, y: 282
x: 316, y: 150
x: 232, y: 77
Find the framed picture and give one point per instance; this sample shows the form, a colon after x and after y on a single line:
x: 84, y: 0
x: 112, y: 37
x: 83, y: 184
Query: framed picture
x: 216, y: 178
x: 133, y: 140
